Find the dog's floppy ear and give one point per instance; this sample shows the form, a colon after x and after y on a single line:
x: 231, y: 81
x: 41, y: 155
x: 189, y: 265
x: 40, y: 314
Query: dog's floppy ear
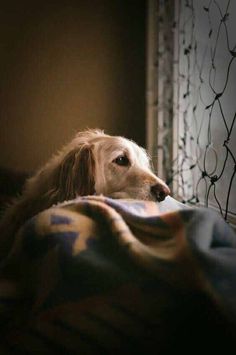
x: 75, y: 175
x: 84, y: 174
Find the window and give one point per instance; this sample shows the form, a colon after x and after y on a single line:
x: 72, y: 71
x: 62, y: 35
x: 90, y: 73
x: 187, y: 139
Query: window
x: 191, y: 106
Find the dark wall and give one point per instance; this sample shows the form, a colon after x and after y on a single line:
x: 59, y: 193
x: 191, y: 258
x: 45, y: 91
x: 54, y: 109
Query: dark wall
x: 65, y: 66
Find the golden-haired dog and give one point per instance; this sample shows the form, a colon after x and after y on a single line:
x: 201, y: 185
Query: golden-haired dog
x: 92, y: 163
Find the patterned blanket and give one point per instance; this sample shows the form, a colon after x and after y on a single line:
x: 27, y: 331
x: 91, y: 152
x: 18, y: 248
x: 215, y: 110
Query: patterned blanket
x: 102, y: 276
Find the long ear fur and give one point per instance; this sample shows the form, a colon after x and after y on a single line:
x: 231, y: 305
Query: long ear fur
x: 65, y: 176
x: 75, y: 175
x: 71, y: 177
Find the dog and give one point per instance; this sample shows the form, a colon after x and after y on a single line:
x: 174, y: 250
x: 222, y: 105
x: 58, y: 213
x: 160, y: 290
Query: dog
x: 92, y: 163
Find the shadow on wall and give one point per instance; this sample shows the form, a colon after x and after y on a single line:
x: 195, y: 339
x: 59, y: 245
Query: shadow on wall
x: 65, y: 66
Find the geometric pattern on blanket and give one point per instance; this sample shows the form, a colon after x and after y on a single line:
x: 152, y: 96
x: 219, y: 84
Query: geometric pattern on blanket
x: 97, y: 275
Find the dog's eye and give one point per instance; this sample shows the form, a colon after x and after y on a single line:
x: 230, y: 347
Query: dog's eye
x: 122, y: 160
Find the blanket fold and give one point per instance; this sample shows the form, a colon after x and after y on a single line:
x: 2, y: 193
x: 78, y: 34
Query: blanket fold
x: 96, y: 275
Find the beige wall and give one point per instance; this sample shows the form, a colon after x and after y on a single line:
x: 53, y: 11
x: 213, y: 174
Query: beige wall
x: 65, y: 66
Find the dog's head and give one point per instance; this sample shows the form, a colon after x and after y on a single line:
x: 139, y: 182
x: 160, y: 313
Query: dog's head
x: 96, y: 163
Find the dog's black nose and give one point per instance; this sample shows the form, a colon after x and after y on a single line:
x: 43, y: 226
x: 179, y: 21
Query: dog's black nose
x: 160, y: 191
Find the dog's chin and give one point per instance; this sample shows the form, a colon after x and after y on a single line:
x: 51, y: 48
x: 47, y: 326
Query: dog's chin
x: 132, y: 195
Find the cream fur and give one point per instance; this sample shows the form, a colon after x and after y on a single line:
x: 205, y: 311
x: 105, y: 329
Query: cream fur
x: 87, y: 165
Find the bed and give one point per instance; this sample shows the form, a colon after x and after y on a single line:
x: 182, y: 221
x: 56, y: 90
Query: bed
x: 101, y: 276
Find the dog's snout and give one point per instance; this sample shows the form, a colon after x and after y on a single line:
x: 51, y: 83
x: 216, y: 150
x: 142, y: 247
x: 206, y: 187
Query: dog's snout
x: 160, y: 191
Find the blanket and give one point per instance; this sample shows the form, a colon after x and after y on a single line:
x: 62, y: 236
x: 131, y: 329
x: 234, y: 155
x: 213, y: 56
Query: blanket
x: 102, y: 276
